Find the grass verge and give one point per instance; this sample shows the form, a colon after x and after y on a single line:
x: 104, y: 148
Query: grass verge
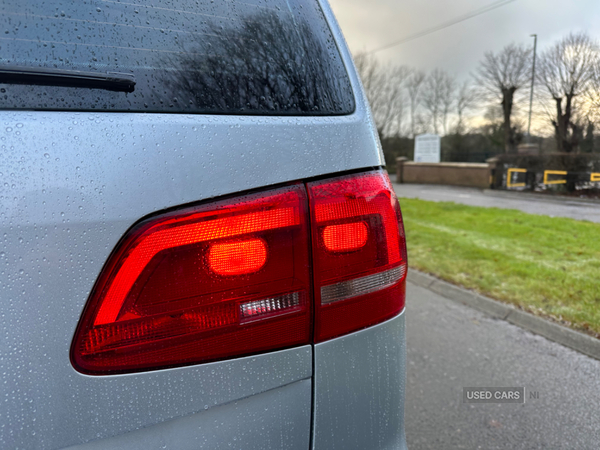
x: 545, y: 265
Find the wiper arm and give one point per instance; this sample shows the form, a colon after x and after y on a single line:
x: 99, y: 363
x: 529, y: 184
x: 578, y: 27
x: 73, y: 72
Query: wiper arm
x: 120, y: 82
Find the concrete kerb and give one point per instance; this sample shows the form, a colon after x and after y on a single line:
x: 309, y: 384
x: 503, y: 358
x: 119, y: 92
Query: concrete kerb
x: 583, y: 343
x: 541, y: 197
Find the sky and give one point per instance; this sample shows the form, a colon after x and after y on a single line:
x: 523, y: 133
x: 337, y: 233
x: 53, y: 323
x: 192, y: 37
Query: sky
x: 368, y: 24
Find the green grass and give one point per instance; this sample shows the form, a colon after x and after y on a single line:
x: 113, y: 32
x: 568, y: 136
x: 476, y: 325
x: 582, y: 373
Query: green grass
x: 548, y: 266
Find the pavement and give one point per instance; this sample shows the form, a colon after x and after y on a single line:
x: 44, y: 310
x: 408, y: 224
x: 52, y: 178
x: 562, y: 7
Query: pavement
x: 580, y: 209
x: 457, y: 338
x: 452, y: 346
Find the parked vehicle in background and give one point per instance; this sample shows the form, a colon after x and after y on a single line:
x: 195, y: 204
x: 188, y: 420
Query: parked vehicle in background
x: 200, y: 249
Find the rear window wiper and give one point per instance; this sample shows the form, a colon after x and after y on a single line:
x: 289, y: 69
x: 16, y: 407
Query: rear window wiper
x: 120, y: 82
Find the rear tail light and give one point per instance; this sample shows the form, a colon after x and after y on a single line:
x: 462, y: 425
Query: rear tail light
x: 233, y: 278
x: 359, y: 253
x: 207, y: 283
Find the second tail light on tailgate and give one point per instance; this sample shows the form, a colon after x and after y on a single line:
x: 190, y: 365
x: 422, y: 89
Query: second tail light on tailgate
x: 233, y: 277
x: 359, y: 253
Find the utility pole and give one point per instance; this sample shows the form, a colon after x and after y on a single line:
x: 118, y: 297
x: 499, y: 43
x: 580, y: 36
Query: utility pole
x: 534, y: 36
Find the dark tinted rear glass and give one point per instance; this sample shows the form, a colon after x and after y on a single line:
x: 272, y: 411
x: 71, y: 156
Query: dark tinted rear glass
x: 208, y: 56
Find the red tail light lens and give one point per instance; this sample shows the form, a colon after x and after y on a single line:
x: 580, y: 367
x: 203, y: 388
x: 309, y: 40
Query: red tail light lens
x: 359, y: 253
x: 227, y: 279
x: 233, y: 278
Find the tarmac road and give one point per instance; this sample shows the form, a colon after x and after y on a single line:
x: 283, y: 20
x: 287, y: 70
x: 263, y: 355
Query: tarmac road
x: 451, y: 346
x: 529, y: 203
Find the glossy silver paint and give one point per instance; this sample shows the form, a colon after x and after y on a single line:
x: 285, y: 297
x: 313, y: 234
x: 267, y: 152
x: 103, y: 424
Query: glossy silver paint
x: 71, y: 184
x: 359, y: 389
x: 276, y: 419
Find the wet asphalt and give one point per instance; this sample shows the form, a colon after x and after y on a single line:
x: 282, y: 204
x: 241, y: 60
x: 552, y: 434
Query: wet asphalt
x: 533, y: 204
x: 451, y: 346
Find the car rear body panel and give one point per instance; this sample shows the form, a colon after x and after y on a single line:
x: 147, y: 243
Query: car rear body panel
x: 72, y: 184
x: 359, y: 389
x: 275, y: 419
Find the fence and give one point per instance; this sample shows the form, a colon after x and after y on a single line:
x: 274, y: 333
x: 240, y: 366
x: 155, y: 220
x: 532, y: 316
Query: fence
x: 537, y: 172
x: 534, y: 172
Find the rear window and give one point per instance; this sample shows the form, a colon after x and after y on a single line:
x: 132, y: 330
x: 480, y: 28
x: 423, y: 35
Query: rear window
x: 209, y: 56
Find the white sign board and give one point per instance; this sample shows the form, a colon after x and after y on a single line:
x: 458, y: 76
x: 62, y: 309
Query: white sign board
x: 427, y: 148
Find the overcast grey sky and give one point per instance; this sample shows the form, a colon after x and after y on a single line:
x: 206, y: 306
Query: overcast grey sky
x: 368, y: 24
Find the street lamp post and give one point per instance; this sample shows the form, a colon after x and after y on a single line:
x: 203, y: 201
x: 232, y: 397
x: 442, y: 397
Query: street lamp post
x: 534, y: 36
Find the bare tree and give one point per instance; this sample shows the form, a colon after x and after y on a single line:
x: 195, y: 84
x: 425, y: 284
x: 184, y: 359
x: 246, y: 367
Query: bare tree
x: 438, y: 98
x: 592, y: 98
x: 448, y: 99
x: 247, y: 81
x: 369, y: 70
x: 466, y: 99
x: 432, y: 98
x: 567, y: 70
x: 384, y: 87
x: 413, y: 86
x: 396, y: 80
x: 593, y: 93
x: 501, y: 75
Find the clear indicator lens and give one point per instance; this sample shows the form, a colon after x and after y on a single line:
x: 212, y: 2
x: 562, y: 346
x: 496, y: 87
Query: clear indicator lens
x: 363, y: 285
x: 270, y: 306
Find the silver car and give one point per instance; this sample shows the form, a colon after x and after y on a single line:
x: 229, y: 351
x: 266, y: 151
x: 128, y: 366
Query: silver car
x: 200, y: 249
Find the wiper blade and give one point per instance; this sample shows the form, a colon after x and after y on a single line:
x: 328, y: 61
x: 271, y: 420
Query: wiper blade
x: 120, y: 82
